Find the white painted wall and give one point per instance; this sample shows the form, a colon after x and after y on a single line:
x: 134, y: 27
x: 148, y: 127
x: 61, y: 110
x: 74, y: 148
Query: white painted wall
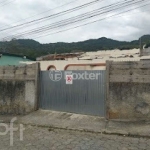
x: 102, y: 56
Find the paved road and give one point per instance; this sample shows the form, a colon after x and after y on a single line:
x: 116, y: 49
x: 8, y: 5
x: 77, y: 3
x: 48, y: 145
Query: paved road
x: 38, y: 138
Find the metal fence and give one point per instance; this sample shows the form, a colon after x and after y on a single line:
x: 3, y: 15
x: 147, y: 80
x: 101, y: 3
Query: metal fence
x: 85, y: 95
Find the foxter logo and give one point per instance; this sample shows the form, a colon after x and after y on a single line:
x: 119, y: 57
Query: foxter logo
x: 55, y: 75
x: 11, y: 129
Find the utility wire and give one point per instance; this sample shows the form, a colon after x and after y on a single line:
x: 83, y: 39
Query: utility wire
x: 93, y: 21
x: 89, y: 13
x: 48, y: 10
x: 81, y: 17
x: 54, y: 15
x: 74, y: 21
x: 78, y: 16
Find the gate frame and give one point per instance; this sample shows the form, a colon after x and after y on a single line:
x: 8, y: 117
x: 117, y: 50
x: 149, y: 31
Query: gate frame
x: 106, y: 88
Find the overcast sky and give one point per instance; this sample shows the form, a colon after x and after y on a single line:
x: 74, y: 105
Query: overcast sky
x: 126, y: 27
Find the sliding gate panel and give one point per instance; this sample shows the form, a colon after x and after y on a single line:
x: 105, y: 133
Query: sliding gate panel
x: 86, y: 94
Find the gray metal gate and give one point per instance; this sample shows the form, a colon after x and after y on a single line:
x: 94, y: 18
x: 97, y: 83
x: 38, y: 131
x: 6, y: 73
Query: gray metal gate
x: 86, y: 95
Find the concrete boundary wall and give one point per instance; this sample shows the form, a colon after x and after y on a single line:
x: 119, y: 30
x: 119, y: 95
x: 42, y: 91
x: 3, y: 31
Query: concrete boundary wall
x: 128, y: 90
x: 145, y: 52
x: 19, y: 89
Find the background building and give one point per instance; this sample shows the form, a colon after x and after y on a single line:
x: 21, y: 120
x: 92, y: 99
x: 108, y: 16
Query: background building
x: 11, y: 59
x: 85, y: 61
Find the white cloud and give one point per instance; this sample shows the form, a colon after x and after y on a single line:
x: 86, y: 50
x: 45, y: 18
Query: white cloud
x: 129, y: 26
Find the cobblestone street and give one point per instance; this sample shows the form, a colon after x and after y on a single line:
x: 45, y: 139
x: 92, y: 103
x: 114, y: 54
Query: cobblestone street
x: 38, y: 138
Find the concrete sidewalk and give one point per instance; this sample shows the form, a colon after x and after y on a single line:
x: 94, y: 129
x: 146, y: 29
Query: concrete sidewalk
x: 71, y: 121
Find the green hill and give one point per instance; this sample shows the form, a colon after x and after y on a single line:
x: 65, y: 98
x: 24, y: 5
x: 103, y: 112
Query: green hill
x: 34, y: 49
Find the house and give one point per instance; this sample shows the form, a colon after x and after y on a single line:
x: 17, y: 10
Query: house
x: 85, y: 61
x: 7, y: 59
